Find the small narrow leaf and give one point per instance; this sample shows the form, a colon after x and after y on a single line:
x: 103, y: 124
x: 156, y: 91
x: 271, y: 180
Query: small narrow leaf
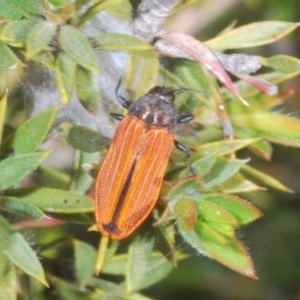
x: 32, y: 133
x: 8, y: 11
x: 85, y: 259
x: 95, y: 9
x: 265, y: 179
x: 142, y: 72
x: 15, y: 205
x: 262, y: 148
x: 87, y: 90
x: 67, y: 290
x: 45, y: 58
x: 283, y: 63
x: 8, y: 58
x: 26, y: 8
x: 252, y: 35
x: 139, y: 251
x: 186, y: 210
x: 158, y: 268
x: 116, y: 265
x: 120, y: 42
x: 19, y: 252
x: 242, y: 210
x: 222, y: 171
x: 75, y: 44
x: 15, y: 33
x: 3, y: 111
x: 83, y: 179
x: 215, y: 214
x: 202, y: 166
x: 145, y: 267
x: 39, y: 37
x: 221, y: 148
x: 273, y: 126
x: 230, y: 253
x: 8, y: 282
x: 86, y: 139
x: 194, y: 76
x: 56, y: 201
x: 239, y: 184
x: 188, y: 185
x: 65, y: 75
x: 14, y: 168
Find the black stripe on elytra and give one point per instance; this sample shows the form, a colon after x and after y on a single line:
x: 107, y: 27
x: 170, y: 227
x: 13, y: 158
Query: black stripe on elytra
x: 112, y: 226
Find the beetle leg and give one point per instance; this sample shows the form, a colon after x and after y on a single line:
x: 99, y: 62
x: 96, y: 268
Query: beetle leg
x: 118, y: 117
x: 182, y: 148
x: 185, y: 119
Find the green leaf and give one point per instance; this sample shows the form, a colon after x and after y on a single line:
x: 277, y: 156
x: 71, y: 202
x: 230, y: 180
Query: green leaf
x: 19, y: 252
x: 230, y: 252
x: 86, y: 139
x: 186, y: 212
x: 8, y: 11
x: 262, y: 148
x: 65, y: 70
x: 45, y: 58
x: 221, y: 148
x: 107, y: 288
x: 193, y: 76
x: 138, y: 258
x: 82, y: 180
x: 144, y: 268
x: 121, y: 9
x: 265, y: 179
x: 15, y: 33
x: 85, y: 259
x: 15, y: 9
x: 8, y: 282
x: 116, y: 265
x: 142, y: 72
x: 283, y: 64
x: 242, y: 210
x: 53, y: 177
x: 222, y: 171
x: 95, y: 9
x: 8, y: 58
x: 273, y: 126
x: 56, y: 201
x: 252, y: 35
x: 87, y: 90
x: 15, y: 205
x: 239, y: 184
x: 14, y: 168
x: 27, y: 8
x: 201, y: 225
x: 32, y: 133
x: 191, y: 186
x: 202, y: 166
x: 120, y: 42
x: 3, y: 112
x: 75, y: 44
x: 39, y: 37
x: 66, y: 290
x: 220, y: 220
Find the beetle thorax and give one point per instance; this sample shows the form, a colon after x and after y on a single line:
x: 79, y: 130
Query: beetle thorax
x: 156, y: 110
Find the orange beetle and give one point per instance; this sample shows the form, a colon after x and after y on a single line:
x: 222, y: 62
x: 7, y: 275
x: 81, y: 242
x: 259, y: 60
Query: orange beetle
x: 130, y: 178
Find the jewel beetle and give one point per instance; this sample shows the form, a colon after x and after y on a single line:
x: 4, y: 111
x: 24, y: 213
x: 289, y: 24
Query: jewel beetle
x: 129, y: 181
